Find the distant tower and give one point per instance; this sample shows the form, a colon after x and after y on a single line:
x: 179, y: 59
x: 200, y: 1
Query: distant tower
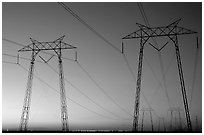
x: 151, y: 120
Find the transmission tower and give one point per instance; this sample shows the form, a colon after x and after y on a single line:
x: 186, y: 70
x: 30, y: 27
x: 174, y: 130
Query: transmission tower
x: 150, y: 113
x: 144, y: 33
x: 174, y: 110
x: 161, y: 120
x: 57, y: 46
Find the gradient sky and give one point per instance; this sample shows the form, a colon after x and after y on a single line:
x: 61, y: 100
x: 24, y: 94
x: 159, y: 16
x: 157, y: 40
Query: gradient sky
x: 49, y: 21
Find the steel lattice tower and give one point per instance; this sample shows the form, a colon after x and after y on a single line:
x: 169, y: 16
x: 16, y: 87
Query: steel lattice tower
x: 161, y: 120
x: 144, y: 33
x: 57, y: 46
x: 178, y: 111
x: 150, y: 114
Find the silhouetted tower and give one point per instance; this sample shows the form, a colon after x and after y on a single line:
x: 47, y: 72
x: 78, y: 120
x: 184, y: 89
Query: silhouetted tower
x: 151, y: 120
x: 144, y: 33
x: 174, y: 111
x: 57, y: 46
x: 180, y: 123
x: 160, y: 121
x: 175, y: 123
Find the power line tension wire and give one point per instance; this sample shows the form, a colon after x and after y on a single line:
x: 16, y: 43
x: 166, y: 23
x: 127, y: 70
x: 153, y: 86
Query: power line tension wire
x: 107, y: 117
x: 68, y: 81
x: 79, y: 90
x: 68, y: 97
x: 88, y: 26
x: 142, y: 11
x: 15, y: 43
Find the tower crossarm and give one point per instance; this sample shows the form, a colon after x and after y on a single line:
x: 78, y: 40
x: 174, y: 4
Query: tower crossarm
x: 169, y: 30
x: 53, y: 45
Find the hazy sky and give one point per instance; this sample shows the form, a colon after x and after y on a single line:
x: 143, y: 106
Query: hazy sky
x: 49, y: 21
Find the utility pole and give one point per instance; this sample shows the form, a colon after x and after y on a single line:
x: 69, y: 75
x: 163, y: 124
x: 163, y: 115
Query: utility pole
x: 144, y: 33
x: 57, y: 46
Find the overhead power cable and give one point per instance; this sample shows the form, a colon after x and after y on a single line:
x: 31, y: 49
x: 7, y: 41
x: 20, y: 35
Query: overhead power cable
x: 69, y: 82
x: 68, y: 97
x: 142, y: 11
x: 81, y: 22
x: 165, y: 73
x: 79, y: 90
x: 9, y: 55
x: 8, y: 62
x: 104, y: 92
x: 15, y: 43
x: 194, y: 73
x: 87, y: 25
x: 133, y: 75
x: 94, y: 31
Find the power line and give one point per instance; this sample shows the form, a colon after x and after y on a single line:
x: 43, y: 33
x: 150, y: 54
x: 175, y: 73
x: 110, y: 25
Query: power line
x: 174, y: 31
x: 69, y: 82
x: 9, y: 55
x: 100, y: 88
x: 133, y: 75
x: 194, y: 74
x: 15, y: 43
x: 168, y: 67
x: 94, y: 31
x: 142, y: 11
x: 76, y: 88
x: 8, y: 62
x: 68, y: 97
x: 88, y: 26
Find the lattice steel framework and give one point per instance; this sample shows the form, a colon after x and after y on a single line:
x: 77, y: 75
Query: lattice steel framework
x: 178, y: 111
x: 161, y: 120
x: 144, y: 33
x: 150, y: 114
x: 57, y: 46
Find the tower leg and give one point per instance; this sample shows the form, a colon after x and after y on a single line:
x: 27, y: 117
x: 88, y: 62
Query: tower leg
x: 151, y: 121
x: 142, y: 120
x: 27, y: 99
x: 138, y: 87
x: 183, y: 90
x: 64, y: 115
